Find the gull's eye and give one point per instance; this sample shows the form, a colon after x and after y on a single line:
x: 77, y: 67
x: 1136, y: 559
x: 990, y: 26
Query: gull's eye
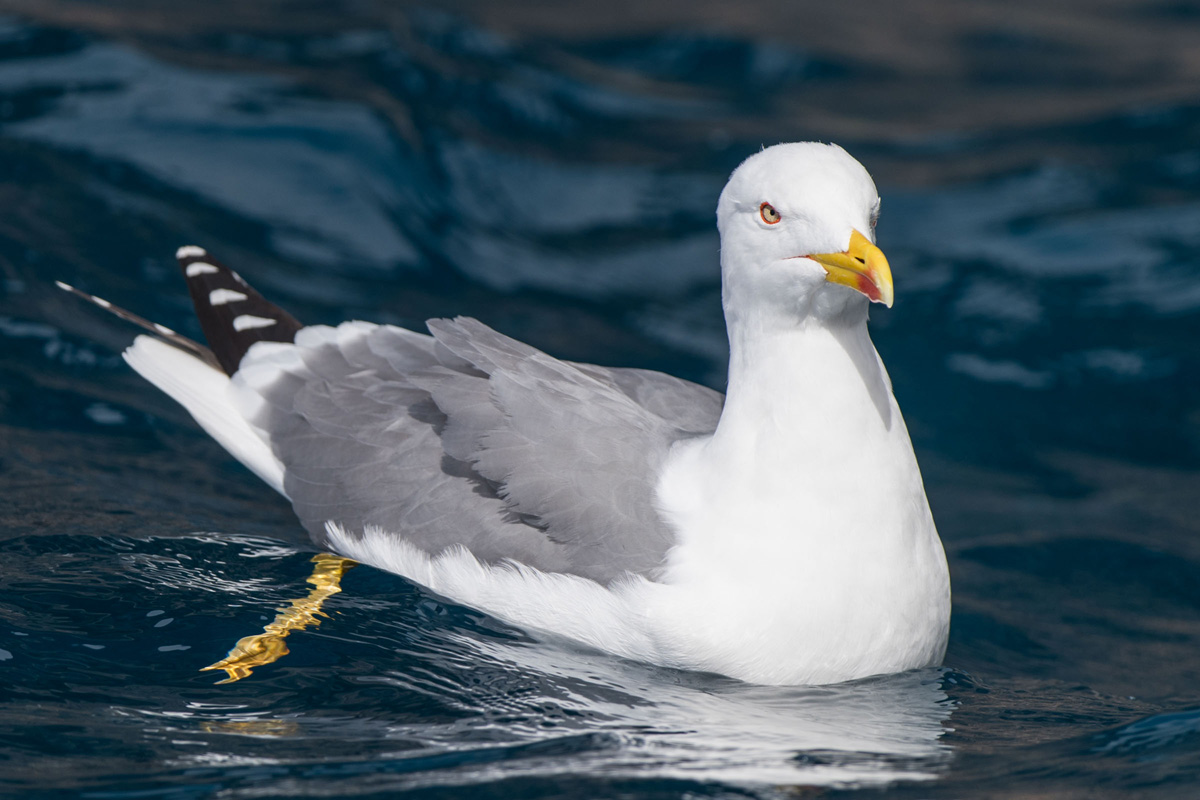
x: 768, y: 213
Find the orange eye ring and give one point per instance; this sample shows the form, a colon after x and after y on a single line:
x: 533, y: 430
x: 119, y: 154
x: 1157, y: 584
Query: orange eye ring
x: 769, y: 214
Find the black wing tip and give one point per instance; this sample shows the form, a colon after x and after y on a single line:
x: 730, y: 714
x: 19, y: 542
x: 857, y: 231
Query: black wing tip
x: 177, y: 339
x: 232, y: 314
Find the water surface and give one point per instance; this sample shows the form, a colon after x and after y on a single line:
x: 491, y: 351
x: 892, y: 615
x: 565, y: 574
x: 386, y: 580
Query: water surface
x: 555, y: 175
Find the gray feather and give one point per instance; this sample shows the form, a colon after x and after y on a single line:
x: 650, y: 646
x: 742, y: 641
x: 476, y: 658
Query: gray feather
x: 472, y: 438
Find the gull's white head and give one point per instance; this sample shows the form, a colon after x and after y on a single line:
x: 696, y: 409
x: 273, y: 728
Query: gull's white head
x: 797, y: 225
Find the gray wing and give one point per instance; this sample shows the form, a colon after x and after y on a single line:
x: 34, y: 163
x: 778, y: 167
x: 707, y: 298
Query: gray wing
x: 471, y: 438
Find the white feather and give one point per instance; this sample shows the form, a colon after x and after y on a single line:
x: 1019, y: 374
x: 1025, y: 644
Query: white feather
x: 312, y: 337
x: 205, y: 393
x: 263, y: 364
x: 607, y: 618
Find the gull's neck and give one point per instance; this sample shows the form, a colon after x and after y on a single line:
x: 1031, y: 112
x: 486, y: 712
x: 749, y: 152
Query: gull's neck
x: 810, y: 449
x: 802, y: 390
x: 809, y: 463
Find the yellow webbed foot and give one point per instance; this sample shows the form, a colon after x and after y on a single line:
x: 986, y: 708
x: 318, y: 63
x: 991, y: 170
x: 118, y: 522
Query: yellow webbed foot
x: 268, y: 646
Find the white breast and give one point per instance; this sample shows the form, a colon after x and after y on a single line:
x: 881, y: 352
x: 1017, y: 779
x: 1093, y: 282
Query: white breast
x: 807, y: 552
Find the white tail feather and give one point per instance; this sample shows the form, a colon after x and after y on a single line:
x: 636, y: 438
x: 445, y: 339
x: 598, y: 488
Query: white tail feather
x: 205, y: 393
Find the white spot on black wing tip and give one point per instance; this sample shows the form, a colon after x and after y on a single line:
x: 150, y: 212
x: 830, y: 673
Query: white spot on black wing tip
x: 190, y: 251
x: 197, y: 268
x: 66, y: 287
x: 219, y: 297
x: 245, y: 322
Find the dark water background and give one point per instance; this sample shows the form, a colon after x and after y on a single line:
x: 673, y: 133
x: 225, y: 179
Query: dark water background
x: 553, y: 170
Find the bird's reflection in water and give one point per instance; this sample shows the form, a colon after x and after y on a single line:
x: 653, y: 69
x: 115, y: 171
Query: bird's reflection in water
x: 678, y: 724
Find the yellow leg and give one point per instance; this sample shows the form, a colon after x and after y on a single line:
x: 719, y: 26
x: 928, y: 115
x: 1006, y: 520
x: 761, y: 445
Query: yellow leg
x: 268, y: 646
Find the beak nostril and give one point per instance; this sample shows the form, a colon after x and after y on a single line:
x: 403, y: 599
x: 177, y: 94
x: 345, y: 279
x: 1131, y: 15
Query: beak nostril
x: 861, y: 266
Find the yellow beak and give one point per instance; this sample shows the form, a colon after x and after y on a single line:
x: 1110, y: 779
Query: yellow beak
x: 863, y: 267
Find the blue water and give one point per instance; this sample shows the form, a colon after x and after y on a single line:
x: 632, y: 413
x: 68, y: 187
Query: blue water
x: 554, y: 174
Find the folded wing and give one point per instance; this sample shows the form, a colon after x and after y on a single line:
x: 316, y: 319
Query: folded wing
x: 462, y: 438
x: 470, y: 438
